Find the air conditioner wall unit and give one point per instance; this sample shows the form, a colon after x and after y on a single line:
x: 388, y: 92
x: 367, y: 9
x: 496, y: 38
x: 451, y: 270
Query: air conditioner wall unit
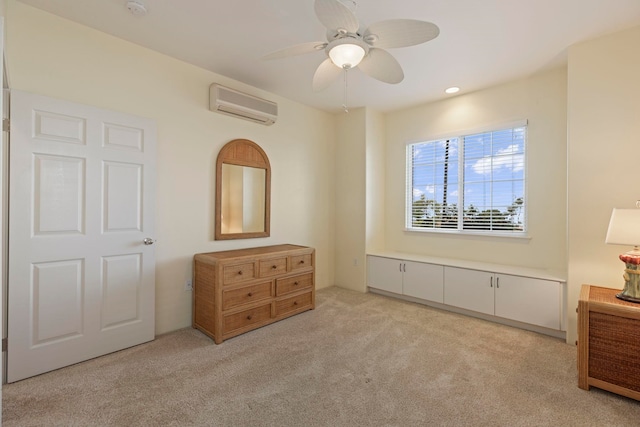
x: 237, y: 104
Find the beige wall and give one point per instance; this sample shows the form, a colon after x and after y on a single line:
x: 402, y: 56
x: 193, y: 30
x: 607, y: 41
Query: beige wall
x: 350, y: 197
x: 375, y: 181
x: 360, y: 183
x: 55, y: 57
x: 542, y: 101
x: 604, y: 129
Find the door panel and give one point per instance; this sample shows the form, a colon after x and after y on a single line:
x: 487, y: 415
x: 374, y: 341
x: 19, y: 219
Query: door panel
x: 58, y: 198
x: 82, y: 197
x: 469, y: 289
x: 122, y: 196
x: 121, y: 280
x: 424, y: 281
x: 57, y: 289
x: 385, y: 274
x: 533, y: 301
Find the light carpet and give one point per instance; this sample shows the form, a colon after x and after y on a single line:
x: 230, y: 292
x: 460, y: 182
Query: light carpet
x: 356, y: 360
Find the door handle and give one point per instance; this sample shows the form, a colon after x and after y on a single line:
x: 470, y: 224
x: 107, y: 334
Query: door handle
x: 148, y: 241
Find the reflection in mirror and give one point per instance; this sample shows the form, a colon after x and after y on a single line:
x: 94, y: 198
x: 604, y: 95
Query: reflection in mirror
x: 242, y: 199
x: 243, y: 191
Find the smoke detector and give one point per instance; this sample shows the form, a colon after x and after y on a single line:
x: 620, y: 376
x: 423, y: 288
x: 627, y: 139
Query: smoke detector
x: 136, y: 8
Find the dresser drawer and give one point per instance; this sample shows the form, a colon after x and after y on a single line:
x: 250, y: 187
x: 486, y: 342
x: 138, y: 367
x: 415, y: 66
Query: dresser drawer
x: 293, y: 284
x: 245, y: 295
x: 300, y: 261
x: 290, y: 304
x: 273, y: 267
x: 260, y: 314
x: 238, y: 273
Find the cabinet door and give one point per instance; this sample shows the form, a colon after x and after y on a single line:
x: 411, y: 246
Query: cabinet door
x: 533, y: 301
x: 385, y: 274
x: 469, y: 289
x: 424, y: 281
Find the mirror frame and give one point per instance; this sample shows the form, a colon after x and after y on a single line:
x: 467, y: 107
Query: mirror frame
x: 243, y: 152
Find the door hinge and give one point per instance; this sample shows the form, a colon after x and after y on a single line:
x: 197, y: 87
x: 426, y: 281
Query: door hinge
x: 5, y: 125
x: 4, y: 344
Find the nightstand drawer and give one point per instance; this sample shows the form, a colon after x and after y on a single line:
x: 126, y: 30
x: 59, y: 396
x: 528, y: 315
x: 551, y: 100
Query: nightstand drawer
x: 238, y: 273
x: 295, y: 303
x: 273, y: 267
x: 244, y: 318
x: 293, y: 284
x: 245, y: 295
x: 300, y: 261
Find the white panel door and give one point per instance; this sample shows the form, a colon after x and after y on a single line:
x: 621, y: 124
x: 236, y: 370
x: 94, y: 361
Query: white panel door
x: 82, y: 199
x: 533, y: 301
x: 385, y: 274
x: 469, y: 289
x: 422, y: 280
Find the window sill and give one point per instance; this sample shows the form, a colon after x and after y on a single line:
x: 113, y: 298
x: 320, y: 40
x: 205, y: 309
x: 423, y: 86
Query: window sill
x: 471, y: 234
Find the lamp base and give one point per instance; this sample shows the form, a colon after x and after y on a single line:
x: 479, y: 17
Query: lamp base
x: 622, y: 296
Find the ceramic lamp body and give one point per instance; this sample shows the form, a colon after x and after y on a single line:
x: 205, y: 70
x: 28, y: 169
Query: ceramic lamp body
x: 631, y: 291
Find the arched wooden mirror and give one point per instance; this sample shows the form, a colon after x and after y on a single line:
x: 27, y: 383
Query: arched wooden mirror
x: 243, y: 191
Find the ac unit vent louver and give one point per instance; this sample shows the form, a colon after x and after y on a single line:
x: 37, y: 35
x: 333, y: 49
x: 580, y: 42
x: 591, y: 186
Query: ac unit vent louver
x: 237, y: 104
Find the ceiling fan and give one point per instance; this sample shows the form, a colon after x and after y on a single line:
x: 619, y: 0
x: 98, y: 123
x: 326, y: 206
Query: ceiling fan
x: 348, y: 46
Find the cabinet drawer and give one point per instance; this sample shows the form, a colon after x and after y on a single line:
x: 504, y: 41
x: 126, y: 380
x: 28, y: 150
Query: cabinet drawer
x: 300, y: 261
x: 238, y: 273
x: 273, y: 267
x: 247, y: 294
x: 298, y: 302
x: 244, y: 318
x: 293, y: 284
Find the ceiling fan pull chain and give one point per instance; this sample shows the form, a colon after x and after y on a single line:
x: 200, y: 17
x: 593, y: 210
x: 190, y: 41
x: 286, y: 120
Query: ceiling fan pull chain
x: 344, y: 105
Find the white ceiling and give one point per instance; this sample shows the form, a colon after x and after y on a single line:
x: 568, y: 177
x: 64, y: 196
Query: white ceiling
x: 481, y: 43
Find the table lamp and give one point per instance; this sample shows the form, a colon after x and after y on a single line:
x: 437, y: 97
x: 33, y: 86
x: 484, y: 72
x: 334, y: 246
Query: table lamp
x: 624, y: 229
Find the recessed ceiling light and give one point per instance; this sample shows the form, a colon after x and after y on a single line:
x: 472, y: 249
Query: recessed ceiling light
x: 453, y: 89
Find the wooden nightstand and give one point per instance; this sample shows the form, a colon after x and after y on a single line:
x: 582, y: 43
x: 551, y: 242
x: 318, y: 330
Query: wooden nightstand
x: 608, y: 342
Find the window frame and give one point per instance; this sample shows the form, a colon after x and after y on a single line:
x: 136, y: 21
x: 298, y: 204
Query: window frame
x: 460, y: 230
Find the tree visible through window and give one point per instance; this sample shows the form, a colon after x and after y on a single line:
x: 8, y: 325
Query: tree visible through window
x: 483, y: 173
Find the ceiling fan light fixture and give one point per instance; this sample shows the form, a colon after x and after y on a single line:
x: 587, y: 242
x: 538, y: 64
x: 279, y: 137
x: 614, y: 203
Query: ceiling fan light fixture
x: 347, y: 52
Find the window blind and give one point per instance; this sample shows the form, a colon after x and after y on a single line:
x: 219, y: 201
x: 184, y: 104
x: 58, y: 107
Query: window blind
x: 472, y: 182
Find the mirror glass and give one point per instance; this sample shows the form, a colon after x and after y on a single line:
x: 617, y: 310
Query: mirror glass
x: 243, y: 190
x: 243, y: 198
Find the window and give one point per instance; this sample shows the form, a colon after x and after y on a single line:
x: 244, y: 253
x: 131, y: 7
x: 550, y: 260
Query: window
x: 471, y: 183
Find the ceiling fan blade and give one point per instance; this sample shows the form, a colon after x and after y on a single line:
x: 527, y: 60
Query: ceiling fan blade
x: 299, y: 49
x: 336, y: 16
x: 400, y: 33
x: 381, y: 65
x: 326, y: 74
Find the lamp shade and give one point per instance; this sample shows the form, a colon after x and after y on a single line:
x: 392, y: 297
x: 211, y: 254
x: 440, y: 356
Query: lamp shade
x: 624, y: 227
x: 347, y: 52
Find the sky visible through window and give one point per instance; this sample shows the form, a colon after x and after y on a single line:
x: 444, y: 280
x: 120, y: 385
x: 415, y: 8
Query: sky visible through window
x: 492, y: 180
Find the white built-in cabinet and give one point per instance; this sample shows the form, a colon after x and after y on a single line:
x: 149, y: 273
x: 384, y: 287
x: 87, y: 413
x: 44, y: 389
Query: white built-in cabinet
x: 415, y: 279
x: 522, y: 298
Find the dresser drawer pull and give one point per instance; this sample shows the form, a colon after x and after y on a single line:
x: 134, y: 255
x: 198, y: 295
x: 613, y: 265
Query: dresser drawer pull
x: 240, y: 272
x: 249, y: 317
x: 250, y: 294
x: 302, y: 262
x: 274, y: 267
x: 295, y: 283
x: 295, y: 303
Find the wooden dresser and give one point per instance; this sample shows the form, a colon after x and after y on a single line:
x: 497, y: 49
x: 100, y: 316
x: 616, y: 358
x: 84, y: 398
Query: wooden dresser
x: 240, y: 290
x: 608, y: 342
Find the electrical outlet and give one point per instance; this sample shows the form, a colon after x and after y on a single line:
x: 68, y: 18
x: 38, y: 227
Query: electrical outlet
x: 188, y: 285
